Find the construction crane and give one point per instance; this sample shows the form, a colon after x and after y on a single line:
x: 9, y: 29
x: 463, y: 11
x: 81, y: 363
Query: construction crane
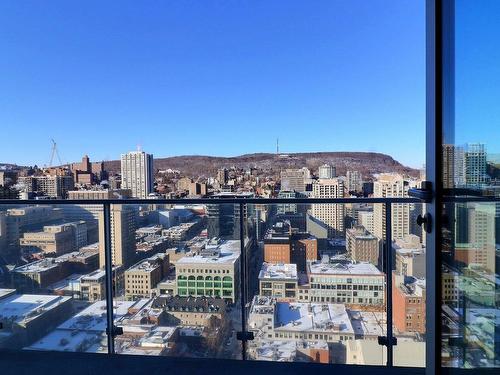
x: 54, y: 152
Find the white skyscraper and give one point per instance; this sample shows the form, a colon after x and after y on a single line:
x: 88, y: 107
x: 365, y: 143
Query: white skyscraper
x: 137, y: 173
x: 326, y: 171
x: 330, y: 214
x: 391, y: 185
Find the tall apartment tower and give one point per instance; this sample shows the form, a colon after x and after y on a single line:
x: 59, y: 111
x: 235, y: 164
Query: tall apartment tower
x: 123, y: 225
x: 326, y: 171
x: 137, y: 173
x: 391, y: 185
x: 330, y: 214
x: 354, y: 181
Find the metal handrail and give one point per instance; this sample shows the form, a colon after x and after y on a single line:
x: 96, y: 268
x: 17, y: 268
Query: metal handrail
x: 210, y: 201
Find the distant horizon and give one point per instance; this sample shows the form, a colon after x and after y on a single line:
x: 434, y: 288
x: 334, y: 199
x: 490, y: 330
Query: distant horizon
x: 56, y: 164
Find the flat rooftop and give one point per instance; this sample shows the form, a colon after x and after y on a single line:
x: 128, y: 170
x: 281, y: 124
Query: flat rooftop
x: 281, y: 271
x: 367, y: 323
x: 22, y: 308
x: 38, y: 266
x: 229, y: 253
x: 363, y: 268
x: 148, y: 264
x: 324, y: 317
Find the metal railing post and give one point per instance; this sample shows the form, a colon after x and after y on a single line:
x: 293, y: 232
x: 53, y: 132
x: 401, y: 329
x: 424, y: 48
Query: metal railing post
x: 108, y: 266
x: 243, y: 280
x: 389, y: 267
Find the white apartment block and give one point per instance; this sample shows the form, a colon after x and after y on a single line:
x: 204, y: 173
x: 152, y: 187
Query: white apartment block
x: 137, y: 173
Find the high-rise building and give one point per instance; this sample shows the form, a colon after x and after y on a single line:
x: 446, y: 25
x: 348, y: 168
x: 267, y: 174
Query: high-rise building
x: 475, y: 235
x: 330, y: 214
x: 123, y: 225
x: 475, y: 165
x: 354, y: 181
x: 137, y: 173
x: 223, y: 220
x: 365, y: 218
x: 326, y: 171
x: 391, y: 185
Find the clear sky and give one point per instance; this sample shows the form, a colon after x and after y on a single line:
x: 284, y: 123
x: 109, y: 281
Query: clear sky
x: 477, y: 74
x: 211, y: 77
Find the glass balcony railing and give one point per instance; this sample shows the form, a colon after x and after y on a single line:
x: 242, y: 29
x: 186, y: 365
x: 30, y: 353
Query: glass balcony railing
x: 297, y: 280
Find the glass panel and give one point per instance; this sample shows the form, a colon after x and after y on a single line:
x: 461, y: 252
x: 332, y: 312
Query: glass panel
x: 316, y: 282
x: 471, y: 241
x: 52, y: 283
x: 409, y: 290
x: 181, y: 272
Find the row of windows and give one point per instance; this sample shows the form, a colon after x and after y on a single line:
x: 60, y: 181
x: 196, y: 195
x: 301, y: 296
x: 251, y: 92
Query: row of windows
x: 206, y: 292
x: 206, y: 270
x: 347, y: 287
x: 310, y: 336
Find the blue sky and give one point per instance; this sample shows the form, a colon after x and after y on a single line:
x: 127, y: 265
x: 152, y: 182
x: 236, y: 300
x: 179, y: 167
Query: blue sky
x: 211, y: 77
x: 477, y: 74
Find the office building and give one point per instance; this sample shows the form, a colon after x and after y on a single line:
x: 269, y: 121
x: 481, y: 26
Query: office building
x: 137, y: 173
x: 100, y: 194
x: 123, y: 244
x: 51, y: 186
x: 93, y: 285
x: 330, y: 214
x: 362, y: 246
x: 293, y: 180
x: 284, y: 245
x: 409, y: 256
x: 358, y: 284
x: 326, y: 171
x: 408, y: 296
x: 278, y: 280
x: 223, y: 220
x: 475, y: 165
x: 365, y: 218
x: 391, y: 185
x: 54, y: 239
x: 354, y: 181
x: 141, y: 279
x: 214, y: 272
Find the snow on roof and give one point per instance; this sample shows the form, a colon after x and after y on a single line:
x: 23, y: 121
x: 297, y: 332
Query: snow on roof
x: 367, y: 323
x: 325, y: 317
x: 229, y: 253
x: 363, y: 268
x: 23, y: 308
x: 278, y: 271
